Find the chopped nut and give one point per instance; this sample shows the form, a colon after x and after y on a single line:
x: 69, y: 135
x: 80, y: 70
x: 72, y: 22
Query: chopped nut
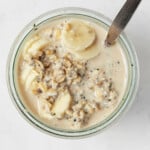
x: 77, y: 80
x: 68, y: 27
x: 49, y: 52
x: 88, y: 109
x: 60, y: 78
x: 51, y: 92
x: 57, y: 33
x: 42, y: 86
x: 69, y: 113
x: 34, y: 87
x: 67, y: 63
x: 112, y: 95
x: 54, y: 84
x: 51, y: 100
x: 81, y: 114
x: 52, y: 57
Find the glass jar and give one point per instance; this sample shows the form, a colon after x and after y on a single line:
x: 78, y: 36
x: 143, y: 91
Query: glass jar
x: 133, y: 73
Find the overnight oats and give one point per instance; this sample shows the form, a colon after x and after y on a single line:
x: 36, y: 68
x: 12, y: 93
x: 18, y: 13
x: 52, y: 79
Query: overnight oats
x: 66, y: 78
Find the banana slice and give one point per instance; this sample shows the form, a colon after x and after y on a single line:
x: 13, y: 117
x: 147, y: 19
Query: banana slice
x: 29, y: 43
x: 62, y: 104
x: 77, y: 35
x: 26, y: 71
x: 36, y: 46
x: 46, y: 32
x: 31, y: 77
x: 89, y: 52
x: 44, y: 109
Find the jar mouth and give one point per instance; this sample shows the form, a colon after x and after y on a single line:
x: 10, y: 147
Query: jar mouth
x: 128, y: 96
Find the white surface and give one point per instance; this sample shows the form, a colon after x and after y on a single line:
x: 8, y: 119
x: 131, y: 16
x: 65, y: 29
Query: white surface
x: 131, y: 132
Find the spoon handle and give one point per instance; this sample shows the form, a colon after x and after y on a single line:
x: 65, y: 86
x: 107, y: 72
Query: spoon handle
x: 121, y: 20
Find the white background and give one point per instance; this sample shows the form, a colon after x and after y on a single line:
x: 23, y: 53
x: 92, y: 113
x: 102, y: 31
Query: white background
x: 131, y: 132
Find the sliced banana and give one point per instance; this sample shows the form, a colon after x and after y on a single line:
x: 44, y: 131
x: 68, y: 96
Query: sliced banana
x: 29, y: 43
x: 77, y: 35
x: 44, y: 109
x: 62, y: 104
x: 31, y: 77
x: 26, y: 71
x: 37, y: 45
x: 89, y: 52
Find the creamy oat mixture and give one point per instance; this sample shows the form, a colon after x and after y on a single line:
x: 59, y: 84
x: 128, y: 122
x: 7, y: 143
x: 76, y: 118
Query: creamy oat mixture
x: 67, y: 77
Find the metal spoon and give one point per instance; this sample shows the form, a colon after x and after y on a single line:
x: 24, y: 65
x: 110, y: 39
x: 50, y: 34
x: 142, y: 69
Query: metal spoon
x: 121, y: 20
